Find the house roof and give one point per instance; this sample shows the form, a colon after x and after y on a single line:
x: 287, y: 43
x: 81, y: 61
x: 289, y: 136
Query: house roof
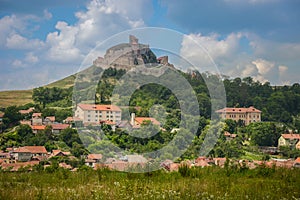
x: 36, y: 114
x: 136, y: 159
x: 59, y: 126
x: 56, y: 152
x: 140, y: 120
x: 28, y: 122
x: 29, y: 110
x: 51, y: 118
x: 31, y: 149
x: 297, y: 160
x: 108, y: 122
x: 1, y: 114
x: 251, y: 109
x: 94, y: 156
x: 99, y: 107
x: 72, y: 119
x: 38, y: 127
x: 291, y: 136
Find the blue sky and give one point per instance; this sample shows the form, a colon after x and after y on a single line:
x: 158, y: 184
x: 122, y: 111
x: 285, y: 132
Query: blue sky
x: 43, y: 41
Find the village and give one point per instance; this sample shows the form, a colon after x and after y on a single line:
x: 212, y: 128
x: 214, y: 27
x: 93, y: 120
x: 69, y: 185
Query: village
x: 26, y: 157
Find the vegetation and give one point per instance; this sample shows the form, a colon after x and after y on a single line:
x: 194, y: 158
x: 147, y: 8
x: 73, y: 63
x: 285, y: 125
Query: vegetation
x: 197, y: 183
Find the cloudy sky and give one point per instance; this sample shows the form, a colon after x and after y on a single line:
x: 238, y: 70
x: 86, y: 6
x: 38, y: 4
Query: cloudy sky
x: 43, y: 41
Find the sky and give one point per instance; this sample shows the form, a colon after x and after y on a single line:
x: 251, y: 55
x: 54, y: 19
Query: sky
x: 44, y: 41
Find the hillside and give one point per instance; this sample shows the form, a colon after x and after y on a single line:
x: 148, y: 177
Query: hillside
x: 15, y: 97
x: 21, y: 97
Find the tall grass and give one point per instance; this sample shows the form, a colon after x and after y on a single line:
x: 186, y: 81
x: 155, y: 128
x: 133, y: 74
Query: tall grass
x: 195, y: 183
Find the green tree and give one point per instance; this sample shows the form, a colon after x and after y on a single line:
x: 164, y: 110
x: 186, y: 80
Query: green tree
x: 264, y: 133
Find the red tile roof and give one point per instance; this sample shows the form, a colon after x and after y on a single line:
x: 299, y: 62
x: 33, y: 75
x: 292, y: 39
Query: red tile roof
x: 72, y: 119
x: 51, y: 118
x: 57, y: 152
x: 31, y: 149
x: 1, y: 115
x: 29, y: 110
x: 297, y: 160
x: 291, y: 136
x: 94, y: 156
x: 59, y: 126
x: 38, y: 127
x: 251, y: 109
x: 140, y: 120
x: 17, y: 166
x: 28, y: 122
x: 99, y: 107
x: 36, y: 114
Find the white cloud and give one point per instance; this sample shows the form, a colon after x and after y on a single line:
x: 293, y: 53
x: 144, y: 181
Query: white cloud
x: 8, y: 25
x: 47, y: 14
x: 203, y: 50
x: 263, y: 66
x: 31, y: 58
x: 16, y: 41
x: 18, y: 63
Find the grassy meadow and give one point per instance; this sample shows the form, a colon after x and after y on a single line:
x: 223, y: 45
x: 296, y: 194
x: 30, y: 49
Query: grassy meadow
x: 15, y: 97
x: 200, y: 183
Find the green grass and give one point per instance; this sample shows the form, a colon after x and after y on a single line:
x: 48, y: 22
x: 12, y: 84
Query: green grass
x: 206, y: 183
x: 63, y: 83
x: 251, y: 156
x: 21, y: 97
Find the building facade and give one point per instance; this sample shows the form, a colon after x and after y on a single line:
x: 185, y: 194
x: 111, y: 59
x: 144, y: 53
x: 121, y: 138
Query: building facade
x: 96, y: 114
x: 291, y: 140
x: 247, y: 115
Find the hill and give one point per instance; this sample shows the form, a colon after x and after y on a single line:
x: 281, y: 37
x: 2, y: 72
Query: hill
x: 21, y: 97
x: 127, y: 54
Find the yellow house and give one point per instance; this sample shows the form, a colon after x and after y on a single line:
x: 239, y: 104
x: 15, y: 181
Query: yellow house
x: 290, y: 139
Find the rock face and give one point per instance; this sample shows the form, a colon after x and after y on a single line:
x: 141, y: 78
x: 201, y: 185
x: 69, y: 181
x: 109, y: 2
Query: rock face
x: 126, y: 55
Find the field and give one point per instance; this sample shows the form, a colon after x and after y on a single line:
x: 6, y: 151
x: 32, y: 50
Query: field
x: 206, y: 183
x: 21, y: 97
x: 15, y: 97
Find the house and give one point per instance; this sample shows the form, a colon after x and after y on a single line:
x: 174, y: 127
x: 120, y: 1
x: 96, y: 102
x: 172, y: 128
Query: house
x: 247, y: 115
x: 94, y: 114
x: 26, y: 153
x: 136, y: 122
x: 26, y: 112
x: 70, y: 120
x: 297, y: 163
x: 229, y: 136
x: 36, y: 119
x: 60, y: 153
x: 49, y: 120
x: 57, y: 128
x: 25, y: 122
x: 93, y: 159
x: 19, y: 165
x: 37, y: 128
x: 5, y: 156
x: 289, y: 139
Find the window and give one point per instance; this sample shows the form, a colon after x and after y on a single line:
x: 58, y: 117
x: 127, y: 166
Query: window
x: 89, y: 115
x: 96, y: 111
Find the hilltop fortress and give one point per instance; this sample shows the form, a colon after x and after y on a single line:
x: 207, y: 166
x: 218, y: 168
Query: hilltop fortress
x: 127, y: 55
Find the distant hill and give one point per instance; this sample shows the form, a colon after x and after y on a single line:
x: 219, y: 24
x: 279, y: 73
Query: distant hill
x: 127, y: 54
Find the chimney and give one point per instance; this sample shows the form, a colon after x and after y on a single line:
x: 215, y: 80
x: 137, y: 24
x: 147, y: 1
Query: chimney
x: 132, y: 119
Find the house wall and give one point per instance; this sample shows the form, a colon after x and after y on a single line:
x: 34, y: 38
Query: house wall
x: 282, y: 142
x: 247, y: 117
x: 95, y: 116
